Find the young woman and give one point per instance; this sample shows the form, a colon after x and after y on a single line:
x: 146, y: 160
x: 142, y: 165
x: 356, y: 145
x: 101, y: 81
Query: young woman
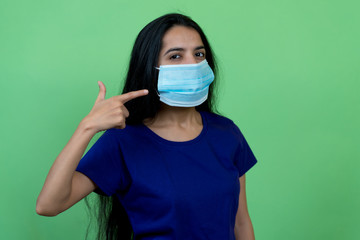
x: 167, y: 166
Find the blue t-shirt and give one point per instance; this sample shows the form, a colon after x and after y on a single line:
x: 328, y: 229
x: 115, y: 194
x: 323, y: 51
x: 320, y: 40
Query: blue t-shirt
x: 173, y: 190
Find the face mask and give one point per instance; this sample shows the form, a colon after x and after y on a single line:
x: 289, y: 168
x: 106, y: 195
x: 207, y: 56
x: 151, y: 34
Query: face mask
x: 184, y: 85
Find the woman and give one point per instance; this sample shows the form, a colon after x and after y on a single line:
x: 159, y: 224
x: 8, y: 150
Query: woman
x: 173, y: 168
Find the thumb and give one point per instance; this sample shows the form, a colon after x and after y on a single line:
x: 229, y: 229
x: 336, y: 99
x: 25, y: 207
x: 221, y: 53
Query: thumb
x: 102, y: 91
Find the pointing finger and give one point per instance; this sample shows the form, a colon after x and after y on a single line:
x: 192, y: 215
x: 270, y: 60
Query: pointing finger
x: 131, y: 95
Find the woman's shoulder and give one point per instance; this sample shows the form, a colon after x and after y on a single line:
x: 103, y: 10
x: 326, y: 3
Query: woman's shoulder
x: 216, y: 118
x: 118, y: 134
x: 223, y: 126
x: 220, y: 124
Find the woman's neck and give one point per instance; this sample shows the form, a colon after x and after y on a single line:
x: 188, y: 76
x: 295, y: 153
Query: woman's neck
x: 175, y: 116
x: 176, y: 123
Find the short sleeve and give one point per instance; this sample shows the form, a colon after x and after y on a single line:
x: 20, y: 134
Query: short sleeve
x: 244, y: 157
x: 104, y: 165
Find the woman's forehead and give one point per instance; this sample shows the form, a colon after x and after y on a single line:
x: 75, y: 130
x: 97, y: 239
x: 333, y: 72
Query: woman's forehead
x: 182, y: 37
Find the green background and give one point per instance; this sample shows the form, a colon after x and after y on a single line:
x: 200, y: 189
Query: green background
x: 289, y: 78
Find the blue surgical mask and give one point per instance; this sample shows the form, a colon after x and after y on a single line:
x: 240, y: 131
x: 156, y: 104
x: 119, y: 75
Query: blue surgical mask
x: 184, y: 85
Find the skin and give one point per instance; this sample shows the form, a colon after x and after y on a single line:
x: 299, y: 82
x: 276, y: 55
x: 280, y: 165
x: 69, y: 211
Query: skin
x: 64, y: 186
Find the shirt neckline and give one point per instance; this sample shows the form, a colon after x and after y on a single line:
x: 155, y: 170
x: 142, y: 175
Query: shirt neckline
x: 183, y: 143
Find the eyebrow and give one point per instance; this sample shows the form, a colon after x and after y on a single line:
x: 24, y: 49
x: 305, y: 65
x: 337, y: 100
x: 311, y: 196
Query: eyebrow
x: 181, y: 49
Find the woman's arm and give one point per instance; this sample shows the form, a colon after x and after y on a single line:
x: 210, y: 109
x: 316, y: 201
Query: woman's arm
x: 243, y: 227
x: 64, y: 186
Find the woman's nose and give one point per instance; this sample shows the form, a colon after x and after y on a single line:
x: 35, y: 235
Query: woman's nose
x: 190, y: 59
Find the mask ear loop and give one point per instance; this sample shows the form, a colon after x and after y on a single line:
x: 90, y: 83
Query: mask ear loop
x: 156, y: 90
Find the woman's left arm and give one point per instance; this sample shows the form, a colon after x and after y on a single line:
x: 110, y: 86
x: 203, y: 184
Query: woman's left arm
x: 243, y: 226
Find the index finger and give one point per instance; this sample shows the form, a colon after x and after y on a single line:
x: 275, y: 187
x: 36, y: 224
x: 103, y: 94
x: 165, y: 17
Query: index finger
x: 131, y: 95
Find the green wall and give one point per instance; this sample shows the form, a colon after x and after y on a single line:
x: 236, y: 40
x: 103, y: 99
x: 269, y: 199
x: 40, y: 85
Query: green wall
x: 289, y: 78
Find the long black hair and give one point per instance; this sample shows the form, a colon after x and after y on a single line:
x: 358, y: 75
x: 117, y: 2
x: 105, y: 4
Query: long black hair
x: 142, y: 74
x: 144, y: 58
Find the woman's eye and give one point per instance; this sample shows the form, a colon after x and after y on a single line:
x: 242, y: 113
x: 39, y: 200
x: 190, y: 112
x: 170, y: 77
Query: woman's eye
x: 200, y: 54
x: 175, y: 56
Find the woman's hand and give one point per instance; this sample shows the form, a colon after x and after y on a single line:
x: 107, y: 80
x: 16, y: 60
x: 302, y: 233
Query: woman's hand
x: 64, y: 186
x: 110, y: 113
